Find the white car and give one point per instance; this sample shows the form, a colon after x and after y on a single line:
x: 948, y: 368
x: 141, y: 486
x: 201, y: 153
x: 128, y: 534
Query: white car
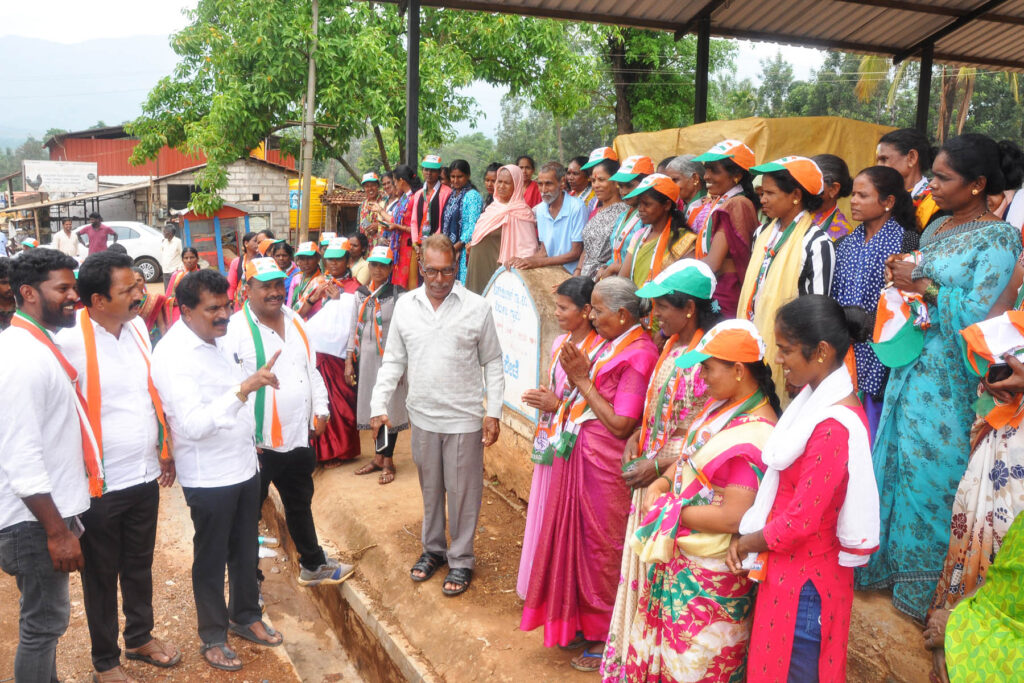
x: 141, y: 241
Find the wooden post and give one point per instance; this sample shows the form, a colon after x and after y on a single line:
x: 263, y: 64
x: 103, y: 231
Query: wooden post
x: 700, y: 86
x: 305, y: 186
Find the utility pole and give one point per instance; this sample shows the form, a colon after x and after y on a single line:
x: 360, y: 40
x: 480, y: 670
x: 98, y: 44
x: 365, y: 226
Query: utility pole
x: 307, y: 134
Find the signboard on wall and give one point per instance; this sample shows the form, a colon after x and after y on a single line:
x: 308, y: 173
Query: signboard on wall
x: 518, y: 326
x: 56, y: 177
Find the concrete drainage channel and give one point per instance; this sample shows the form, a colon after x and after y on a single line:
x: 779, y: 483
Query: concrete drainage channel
x: 380, y: 654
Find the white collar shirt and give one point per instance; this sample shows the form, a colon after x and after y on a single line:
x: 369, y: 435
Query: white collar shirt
x: 40, y: 435
x: 129, y: 427
x: 303, y: 394
x: 211, y: 430
x: 170, y: 255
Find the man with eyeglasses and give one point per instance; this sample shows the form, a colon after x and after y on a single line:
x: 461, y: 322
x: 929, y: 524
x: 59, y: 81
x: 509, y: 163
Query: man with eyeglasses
x: 441, y: 335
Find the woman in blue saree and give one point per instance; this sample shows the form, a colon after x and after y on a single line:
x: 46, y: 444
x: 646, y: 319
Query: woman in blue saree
x: 922, y: 443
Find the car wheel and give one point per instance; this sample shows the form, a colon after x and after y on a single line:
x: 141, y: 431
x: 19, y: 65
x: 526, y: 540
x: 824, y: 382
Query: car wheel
x: 149, y: 267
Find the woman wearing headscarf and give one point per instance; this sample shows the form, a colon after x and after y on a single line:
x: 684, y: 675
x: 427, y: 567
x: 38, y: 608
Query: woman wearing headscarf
x: 923, y: 441
x: 461, y: 212
x: 505, y: 231
x: 572, y: 586
x: 726, y: 218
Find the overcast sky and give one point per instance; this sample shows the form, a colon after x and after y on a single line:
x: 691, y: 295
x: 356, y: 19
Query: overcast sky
x: 74, y: 21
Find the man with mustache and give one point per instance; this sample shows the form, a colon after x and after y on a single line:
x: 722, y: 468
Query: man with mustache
x: 205, y: 395
x: 109, y: 347
x: 560, y: 221
x: 287, y: 415
x: 43, y: 463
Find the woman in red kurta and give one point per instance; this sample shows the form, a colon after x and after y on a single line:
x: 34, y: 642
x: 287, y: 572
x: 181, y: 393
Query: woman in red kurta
x: 800, y: 538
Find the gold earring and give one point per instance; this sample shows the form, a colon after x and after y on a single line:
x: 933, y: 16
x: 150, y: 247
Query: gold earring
x: 974, y: 191
x: 821, y: 359
x: 795, y: 202
x: 739, y: 379
x: 622, y: 320
x: 689, y: 315
x: 887, y: 208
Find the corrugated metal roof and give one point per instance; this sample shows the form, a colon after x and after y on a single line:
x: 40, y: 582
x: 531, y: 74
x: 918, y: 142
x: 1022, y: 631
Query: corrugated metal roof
x: 994, y: 38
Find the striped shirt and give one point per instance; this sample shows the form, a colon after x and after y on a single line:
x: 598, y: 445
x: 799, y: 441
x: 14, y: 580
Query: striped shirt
x: 817, y: 263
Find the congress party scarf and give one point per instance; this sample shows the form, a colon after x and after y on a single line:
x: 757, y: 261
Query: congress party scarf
x: 702, y: 224
x: 90, y: 447
x: 378, y: 320
x: 549, y: 425
x: 661, y: 400
x: 259, y: 405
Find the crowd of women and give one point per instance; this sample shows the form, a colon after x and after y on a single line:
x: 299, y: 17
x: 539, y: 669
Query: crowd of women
x: 738, y: 402
x: 757, y: 405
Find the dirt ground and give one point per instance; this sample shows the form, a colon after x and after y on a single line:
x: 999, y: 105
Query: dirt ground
x: 312, y: 646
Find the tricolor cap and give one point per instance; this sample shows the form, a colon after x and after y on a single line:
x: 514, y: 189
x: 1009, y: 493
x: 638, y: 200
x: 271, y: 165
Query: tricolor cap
x: 30, y: 243
x: 265, y: 244
x: 370, y: 177
x: 740, y: 154
x: 431, y: 161
x: 337, y: 248
x: 632, y: 167
x: 803, y: 170
x: 306, y: 249
x: 263, y: 269
x: 659, y: 182
x: 734, y: 341
x: 381, y: 254
x: 685, y: 276
x: 326, y: 237
x: 599, y: 155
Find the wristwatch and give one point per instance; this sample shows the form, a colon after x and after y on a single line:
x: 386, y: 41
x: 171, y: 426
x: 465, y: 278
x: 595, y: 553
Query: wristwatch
x: 239, y: 395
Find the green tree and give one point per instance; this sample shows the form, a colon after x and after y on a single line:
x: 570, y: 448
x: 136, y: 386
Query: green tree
x: 652, y: 76
x: 526, y: 131
x: 242, y: 68
x: 476, y: 148
x: 776, y: 83
x: 10, y: 160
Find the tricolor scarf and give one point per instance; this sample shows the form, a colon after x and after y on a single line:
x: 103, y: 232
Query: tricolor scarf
x: 305, y: 288
x: 378, y: 320
x: 712, y: 434
x: 259, y: 405
x: 900, y: 322
x: 549, y: 424
x: 702, y: 223
x: 90, y: 446
x: 988, y: 342
x: 858, y: 525
x: 661, y: 401
x: 575, y: 410
x: 626, y: 230
x: 93, y: 396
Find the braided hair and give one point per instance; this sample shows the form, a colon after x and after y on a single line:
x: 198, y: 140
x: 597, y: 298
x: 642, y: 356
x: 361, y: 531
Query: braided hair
x: 762, y: 374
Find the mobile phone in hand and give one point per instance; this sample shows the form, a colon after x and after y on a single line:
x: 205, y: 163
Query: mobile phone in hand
x: 997, y: 372
x: 381, y: 440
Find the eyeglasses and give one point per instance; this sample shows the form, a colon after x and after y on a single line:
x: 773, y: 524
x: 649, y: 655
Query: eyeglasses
x: 434, y: 272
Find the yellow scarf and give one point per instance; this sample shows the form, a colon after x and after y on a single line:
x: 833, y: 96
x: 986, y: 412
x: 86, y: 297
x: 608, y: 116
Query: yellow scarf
x: 779, y: 288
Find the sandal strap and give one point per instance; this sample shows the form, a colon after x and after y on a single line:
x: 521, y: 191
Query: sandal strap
x: 156, y: 646
x: 459, y: 575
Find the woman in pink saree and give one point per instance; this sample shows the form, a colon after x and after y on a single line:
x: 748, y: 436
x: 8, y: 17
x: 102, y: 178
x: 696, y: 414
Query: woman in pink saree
x: 506, y: 230
x: 574, y: 579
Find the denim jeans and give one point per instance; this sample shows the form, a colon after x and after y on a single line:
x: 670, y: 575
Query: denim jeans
x: 803, y: 662
x: 45, y: 606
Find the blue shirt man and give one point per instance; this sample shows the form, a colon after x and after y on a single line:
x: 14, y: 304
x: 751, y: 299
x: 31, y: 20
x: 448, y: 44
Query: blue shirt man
x: 560, y: 221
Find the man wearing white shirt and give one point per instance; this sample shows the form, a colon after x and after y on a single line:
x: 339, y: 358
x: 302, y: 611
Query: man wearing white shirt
x: 285, y: 416
x: 65, y: 241
x: 109, y: 347
x: 205, y: 396
x: 170, y: 253
x: 43, y: 470
x: 441, y: 336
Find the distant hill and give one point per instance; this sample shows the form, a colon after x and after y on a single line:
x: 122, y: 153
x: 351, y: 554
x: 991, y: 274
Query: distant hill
x: 53, y: 85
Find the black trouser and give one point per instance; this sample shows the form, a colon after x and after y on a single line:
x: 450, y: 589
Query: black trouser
x: 120, y: 532
x: 226, y: 522
x: 389, y: 452
x: 291, y: 473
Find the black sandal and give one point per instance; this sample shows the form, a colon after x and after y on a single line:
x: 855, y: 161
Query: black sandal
x: 428, y: 564
x: 461, y: 577
x: 227, y: 652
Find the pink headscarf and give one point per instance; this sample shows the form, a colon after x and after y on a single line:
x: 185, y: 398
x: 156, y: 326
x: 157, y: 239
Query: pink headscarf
x: 515, y: 219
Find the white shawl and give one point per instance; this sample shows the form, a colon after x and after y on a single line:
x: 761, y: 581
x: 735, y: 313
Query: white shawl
x: 858, y: 525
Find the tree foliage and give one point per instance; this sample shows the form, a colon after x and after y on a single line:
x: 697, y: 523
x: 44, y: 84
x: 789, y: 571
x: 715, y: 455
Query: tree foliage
x: 10, y: 160
x: 242, y: 70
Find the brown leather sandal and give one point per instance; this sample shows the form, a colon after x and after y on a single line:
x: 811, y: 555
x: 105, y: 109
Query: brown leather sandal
x: 155, y: 647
